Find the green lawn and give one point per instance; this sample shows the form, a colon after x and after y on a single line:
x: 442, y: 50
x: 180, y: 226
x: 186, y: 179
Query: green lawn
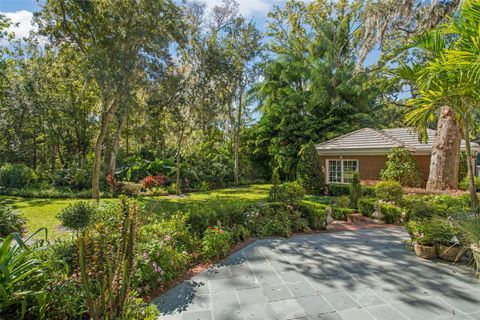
x: 42, y: 212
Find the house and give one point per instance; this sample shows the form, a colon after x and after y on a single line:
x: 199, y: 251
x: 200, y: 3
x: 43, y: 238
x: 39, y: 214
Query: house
x: 365, y: 151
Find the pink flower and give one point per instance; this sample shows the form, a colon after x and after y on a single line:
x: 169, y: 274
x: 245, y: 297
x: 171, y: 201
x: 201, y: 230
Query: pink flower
x: 145, y: 255
x: 167, y: 238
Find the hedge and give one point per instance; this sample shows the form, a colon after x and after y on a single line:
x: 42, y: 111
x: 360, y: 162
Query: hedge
x: 391, y: 213
x: 366, y: 206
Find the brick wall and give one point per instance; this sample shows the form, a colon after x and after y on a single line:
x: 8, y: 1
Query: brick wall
x: 371, y: 166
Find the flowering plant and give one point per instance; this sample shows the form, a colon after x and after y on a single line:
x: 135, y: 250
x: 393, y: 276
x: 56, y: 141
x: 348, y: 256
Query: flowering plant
x: 216, y: 242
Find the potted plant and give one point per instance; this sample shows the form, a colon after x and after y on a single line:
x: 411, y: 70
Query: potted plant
x: 423, y: 239
x: 447, y: 235
x: 470, y: 228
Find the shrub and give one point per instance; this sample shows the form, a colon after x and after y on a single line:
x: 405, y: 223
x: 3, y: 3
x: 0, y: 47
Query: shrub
x: 341, y: 213
x: 78, y: 216
x: 337, y: 190
x: 10, y: 221
x: 465, y: 183
x: 131, y: 189
x: 16, y: 176
x: 389, y: 191
x: 309, y: 170
x: 391, y: 213
x: 401, y: 167
x: 290, y: 192
x: 341, y: 202
x: 355, y: 191
x: 421, y: 232
x: 203, y: 186
x: 172, y: 188
x: 368, y: 191
x: 227, y: 213
x: 158, y: 262
x: 155, y: 192
x: 215, y: 242
x: 445, y: 232
x: 152, y: 182
x: 366, y: 206
x: 314, y: 214
x: 273, y: 194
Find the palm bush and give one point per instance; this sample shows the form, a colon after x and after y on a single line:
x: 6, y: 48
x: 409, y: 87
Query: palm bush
x: 19, y: 269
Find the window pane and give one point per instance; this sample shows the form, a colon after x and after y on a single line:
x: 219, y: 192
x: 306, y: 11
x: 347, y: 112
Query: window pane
x: 349, y: 168
x: 334, y: 171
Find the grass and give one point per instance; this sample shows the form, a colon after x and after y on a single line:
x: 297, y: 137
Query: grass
x: 42, y: 212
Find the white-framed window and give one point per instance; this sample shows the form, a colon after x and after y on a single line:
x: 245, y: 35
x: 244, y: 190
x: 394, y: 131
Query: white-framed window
x: 340, y: 170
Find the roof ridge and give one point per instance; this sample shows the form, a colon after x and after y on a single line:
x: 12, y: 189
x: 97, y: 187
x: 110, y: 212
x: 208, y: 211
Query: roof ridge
x: 341, y: 136
x: 391, y: 137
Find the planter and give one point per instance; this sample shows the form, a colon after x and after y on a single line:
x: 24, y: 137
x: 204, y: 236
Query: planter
x: 425, y: 252
x: 476, y: 257
x: 449, y: 253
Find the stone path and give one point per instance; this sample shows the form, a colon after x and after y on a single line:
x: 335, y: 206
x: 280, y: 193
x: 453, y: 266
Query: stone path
x: 366, y: 274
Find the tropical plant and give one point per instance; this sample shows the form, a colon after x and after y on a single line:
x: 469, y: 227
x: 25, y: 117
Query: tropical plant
x: 19, y: 269
x: 450, y: 77
x: 106, y: 259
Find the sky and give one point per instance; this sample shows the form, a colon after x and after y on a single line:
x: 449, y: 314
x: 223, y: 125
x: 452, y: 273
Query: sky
x: 21, y: 11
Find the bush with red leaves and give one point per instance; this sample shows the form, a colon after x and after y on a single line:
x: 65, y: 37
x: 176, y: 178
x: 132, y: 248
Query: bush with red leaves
x: 152, y: 182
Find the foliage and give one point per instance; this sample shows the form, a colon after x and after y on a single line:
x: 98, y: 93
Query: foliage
x: 465, y: 183
x: 368, y: 191
x: 107, y: 262
x: 366, y: 206
x: 290, y: 192
x: 470, y: 227
x: 422, y: 232
x: 314, y: 213
x: 216, y: 242
x: 16, y: 176
x: 150, y: 182
x: 401, y: 167
x: 203, y: 186
x: 78, y: 216
x: 342, y: 202
x: 446, y: 232
x: 273, y: 195
x: 172, y: 188
x: 19, y: 270
x: 355, y: 191
x: 391, y: 213
x: 310, y: 170
x: 10, y: 221
x: 337, y: 190
x: 389, y: 191
x: 339, y: 213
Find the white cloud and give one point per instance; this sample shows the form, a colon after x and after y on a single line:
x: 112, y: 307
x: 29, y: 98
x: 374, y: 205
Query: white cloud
x: 249, y: 8
x: 24, y: 20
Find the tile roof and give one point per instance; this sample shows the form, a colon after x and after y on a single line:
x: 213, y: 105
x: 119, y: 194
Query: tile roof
x: 380, y: 141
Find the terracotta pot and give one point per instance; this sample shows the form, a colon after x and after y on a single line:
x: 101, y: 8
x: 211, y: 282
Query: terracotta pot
x: 449, y: 253
x: 425, y: 252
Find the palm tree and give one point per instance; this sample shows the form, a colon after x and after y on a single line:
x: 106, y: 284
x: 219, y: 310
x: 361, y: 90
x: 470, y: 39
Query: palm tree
x: 452, y: 78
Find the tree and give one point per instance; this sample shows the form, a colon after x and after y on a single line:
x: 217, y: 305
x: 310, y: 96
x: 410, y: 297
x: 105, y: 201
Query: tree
x: 310, y: 170
x: 444, y: 160
x: 116, y: 40
x: 448, y: 79
x: 309, y: 90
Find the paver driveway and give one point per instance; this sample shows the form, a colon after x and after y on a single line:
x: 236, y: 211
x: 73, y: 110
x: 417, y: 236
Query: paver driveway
x: 367, y: 274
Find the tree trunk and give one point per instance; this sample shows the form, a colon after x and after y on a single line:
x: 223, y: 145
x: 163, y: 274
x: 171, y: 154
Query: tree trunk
x: 178, y: 159
x: 107, y: 118
x: 471, y: 178
x: 445, y: 158
x: 116, y: 144
x: 236, y: 138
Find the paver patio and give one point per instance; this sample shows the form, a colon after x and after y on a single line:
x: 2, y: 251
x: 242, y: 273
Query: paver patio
x: 366, y: 274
